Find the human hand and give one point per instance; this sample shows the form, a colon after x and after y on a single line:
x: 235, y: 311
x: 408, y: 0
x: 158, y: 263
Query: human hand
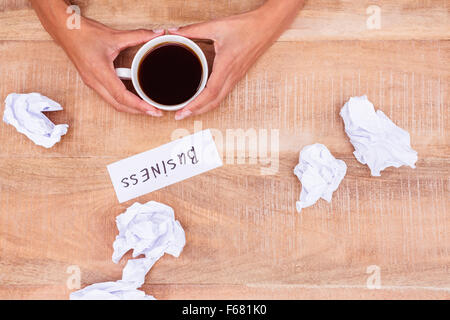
x: 93, y: 49
x: 239, y: 41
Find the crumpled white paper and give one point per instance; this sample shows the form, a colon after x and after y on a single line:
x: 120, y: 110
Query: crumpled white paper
x: 24, y: 112
x: 320, y: 174
x: 149, y: 229
x: 119, y: 290
x: 378, y: 142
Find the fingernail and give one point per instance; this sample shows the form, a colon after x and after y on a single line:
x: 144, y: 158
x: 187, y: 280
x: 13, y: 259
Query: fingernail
x: 158, y: 30
x: 173, y: 29
x: 182, y: 115
x: 154, y: 113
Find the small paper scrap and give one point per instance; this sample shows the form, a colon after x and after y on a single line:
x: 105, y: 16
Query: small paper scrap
x: 165, y: 165
x: 119, y: 290
x: 149, y: 229
x: 24, y: 112
x: 378, y: 142
x: 320, y: 174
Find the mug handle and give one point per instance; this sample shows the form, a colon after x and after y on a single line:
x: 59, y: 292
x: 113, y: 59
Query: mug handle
x: 124, y: 73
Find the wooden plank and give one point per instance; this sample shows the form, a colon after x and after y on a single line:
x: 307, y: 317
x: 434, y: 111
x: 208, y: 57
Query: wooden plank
x: 64, y: 209
x: 319, y: 20
x: 301, y: 99
x: 244, y: 292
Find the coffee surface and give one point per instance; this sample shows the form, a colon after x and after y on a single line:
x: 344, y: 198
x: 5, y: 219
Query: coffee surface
x: 170, y: 74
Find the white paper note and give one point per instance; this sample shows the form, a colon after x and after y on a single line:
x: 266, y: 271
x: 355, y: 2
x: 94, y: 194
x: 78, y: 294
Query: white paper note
x: 378, y: 142
x: 24, y: 112
x: 320, y: 174
x: 173, y: 162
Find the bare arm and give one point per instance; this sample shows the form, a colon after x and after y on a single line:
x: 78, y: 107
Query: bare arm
x: 93, y: 48
x: 239, y: 41
x: 280, y: 14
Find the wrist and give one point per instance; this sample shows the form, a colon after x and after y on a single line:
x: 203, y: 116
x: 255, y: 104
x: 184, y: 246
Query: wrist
x: 53, y: 16
x: 283, y: 12
x: 275, y: 16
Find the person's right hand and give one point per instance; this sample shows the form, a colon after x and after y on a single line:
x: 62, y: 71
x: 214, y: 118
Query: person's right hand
x: 92, y: 49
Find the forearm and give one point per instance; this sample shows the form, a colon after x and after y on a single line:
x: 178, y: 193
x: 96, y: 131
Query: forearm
x: 53, y: 15
x: 284, y: 7
x: 280, y: 13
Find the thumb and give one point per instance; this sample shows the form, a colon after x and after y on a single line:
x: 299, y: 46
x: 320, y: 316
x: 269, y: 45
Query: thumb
x: 194, y: 31
x: 133, y: 38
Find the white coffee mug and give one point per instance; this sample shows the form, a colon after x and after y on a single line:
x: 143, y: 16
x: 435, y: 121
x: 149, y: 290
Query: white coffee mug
x: 132, y: 74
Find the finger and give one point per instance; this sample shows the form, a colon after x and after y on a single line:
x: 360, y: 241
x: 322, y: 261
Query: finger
x: 212, y: 104
x: 98, y: 87
x: 202, y: 30
x: 214, y: 90
x: 132, y: 38
x: 203, y: 99
x: 121, y: 95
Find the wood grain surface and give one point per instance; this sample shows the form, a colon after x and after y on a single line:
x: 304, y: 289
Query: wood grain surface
x: 244, y: 236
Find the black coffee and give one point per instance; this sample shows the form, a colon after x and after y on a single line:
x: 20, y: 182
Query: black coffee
x: 170, y: 74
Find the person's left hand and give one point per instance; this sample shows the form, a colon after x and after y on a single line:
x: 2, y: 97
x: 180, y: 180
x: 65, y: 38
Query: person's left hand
x: 239, y: 41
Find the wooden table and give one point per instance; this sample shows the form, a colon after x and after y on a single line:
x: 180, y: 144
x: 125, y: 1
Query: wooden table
x: 244, y: 236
